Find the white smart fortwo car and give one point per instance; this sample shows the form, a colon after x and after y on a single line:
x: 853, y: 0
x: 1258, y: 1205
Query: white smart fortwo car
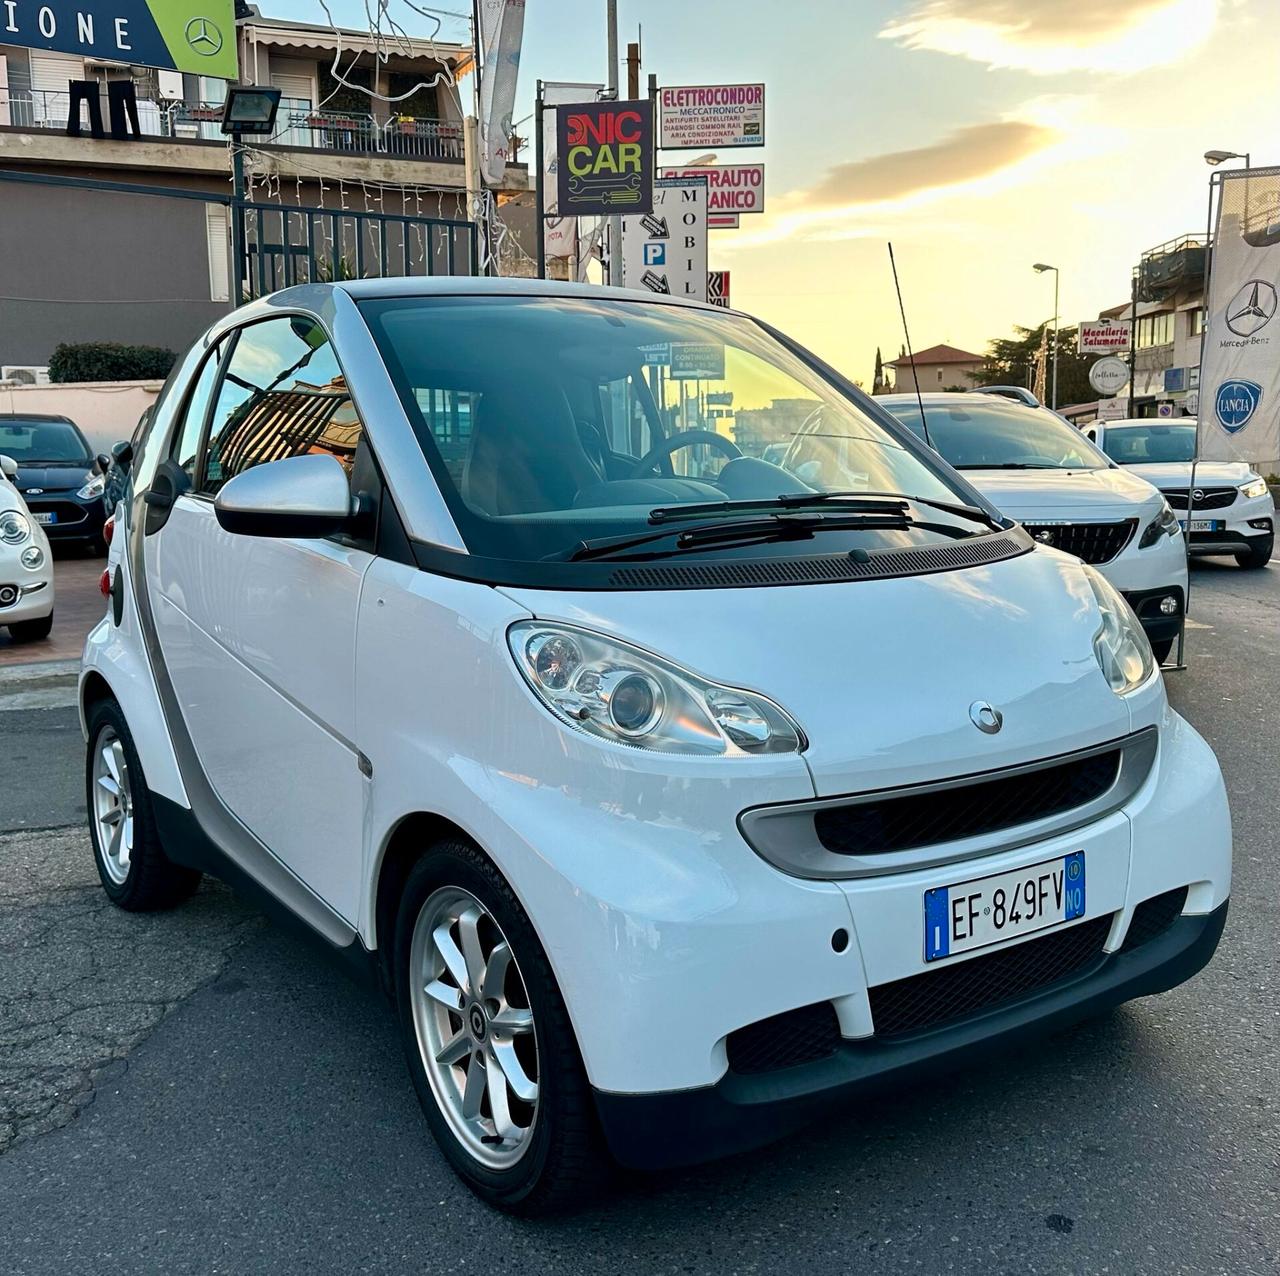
x: 26, y: 565
x: 1229, y: 507
x: 1042, y: 471
x: 673, y: 799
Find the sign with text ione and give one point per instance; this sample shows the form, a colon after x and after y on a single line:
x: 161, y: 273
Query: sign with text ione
x: 605, y: 154
x: 702, y: 116
x: 196, y: 36
x: 733, y: 188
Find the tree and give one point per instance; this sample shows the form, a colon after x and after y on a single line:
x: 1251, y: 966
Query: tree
x: 877, y: 381
x: 1011, y: 361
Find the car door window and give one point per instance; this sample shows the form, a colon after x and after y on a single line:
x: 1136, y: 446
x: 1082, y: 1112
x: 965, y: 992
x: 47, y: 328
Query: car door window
x: 282, y: 394
x: 186, y: 447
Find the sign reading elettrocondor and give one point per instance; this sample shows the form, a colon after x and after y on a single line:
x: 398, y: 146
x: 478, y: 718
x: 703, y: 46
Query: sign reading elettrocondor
x: 712, y: 115
x: 196, y: 36
x: 606, y: 158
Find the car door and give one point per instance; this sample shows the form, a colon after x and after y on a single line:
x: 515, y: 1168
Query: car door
x: 258, y: 634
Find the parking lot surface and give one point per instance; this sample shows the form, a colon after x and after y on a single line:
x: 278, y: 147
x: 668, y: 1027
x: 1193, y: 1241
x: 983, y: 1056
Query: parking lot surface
x: 199, y: 1091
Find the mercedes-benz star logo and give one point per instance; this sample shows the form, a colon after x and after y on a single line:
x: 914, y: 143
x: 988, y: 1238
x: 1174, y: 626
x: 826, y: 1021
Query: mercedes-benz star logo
x: 204, y: 37
x: 1252, y: 308
x: 986, y: 717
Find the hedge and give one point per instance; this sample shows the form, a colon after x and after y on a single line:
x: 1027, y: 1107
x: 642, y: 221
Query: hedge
x: 109, y: 361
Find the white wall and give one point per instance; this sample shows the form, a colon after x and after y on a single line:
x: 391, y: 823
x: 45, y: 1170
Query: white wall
x: 106, y: 411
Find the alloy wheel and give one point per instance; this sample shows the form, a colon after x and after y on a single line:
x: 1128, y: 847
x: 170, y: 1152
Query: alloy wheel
x: 474, y: 1027
x: 112, y: 806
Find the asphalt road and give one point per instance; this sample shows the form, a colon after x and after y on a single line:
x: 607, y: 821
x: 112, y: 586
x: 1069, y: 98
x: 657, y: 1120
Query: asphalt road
x: 243, y: 1108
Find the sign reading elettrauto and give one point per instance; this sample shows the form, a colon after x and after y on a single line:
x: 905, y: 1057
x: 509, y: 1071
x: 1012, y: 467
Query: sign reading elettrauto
x: 605, y: 154
x: 196, y: 36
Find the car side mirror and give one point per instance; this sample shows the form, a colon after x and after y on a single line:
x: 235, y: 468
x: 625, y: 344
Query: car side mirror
x: 8, y: 467
x: 101, y: 463
x: 303, y: 496
x: 122, y: 453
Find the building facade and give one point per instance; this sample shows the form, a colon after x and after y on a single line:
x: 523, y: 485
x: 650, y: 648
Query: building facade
x: 939, y: 367
x: 80, y: 264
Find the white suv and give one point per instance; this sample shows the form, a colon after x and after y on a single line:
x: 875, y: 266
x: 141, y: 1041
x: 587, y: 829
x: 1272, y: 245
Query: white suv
x: 671, y: 798
x: 1037, y: 468
x: 1229, y: 506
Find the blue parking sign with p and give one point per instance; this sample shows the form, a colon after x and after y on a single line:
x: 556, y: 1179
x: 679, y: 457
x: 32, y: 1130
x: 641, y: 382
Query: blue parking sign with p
x: 655, y: 253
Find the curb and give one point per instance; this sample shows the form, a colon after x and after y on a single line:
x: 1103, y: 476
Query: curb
x: 47, y: 684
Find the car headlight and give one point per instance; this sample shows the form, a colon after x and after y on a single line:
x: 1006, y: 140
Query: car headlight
x: 93, y: 487
x: 617, y: 692
x: 14, y: 528
x: 33, y: 558
x: 1164, y: 524
x: 1257, y: 488
x: 1123, y: 652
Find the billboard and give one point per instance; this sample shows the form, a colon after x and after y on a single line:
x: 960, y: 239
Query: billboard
x: 711, y: 115
x: 665, y: 250
x: 605, y: 158
x: 1239, y: 383
x: 1102, y: 336
x: 734, y: 188
x: 196, y: 36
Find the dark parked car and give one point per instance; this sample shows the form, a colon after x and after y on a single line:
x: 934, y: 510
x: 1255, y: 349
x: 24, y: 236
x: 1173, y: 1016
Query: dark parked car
x: 59, y: 477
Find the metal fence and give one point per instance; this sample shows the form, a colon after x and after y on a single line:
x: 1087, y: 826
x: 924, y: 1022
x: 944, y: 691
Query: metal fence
x: 297, y: 125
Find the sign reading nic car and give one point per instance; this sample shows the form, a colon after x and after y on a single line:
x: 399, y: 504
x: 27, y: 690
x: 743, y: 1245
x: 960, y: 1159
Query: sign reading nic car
x: 196, y: 36
x: 605, y: 154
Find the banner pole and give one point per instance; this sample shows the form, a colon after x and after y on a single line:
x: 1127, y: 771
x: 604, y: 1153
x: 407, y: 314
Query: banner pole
x: 540, y: 194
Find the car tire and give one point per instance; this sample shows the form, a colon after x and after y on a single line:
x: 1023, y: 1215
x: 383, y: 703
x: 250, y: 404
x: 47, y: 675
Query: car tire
x: 97, y: 547
x: 555, y: 1157
x: 1258, y: 554
x: 31, y: 630
x: 136, y: 873
x: 1161, y: 649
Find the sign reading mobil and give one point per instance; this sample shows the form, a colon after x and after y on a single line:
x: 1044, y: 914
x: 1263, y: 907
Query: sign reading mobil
x: 196, y: 36
x: 711, y: 115
x: 606, y: 158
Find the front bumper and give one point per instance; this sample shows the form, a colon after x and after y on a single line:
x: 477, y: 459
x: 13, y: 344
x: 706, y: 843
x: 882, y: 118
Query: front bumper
x: 1234, y: 537
x: 740, y: 1112
x: 75, y: 519
x: 34, y: 600
x: 1148, y: 605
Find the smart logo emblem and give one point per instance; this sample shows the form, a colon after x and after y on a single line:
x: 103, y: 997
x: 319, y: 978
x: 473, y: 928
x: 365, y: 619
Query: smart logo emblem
x: 205, y: 39
x: 1252, y: 308
x: 1235, y: 404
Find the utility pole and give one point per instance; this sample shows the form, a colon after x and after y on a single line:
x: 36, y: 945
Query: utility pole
x: 1133, y: 334
x: 633, y: 70
x: 1056, y: 346
x: 614, y: 225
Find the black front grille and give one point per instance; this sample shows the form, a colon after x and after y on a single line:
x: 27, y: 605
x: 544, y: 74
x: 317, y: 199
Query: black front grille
x: 795, y: 1037
x: 966, y: 810
x: 1210, y: 498
x: 952, y: 992
x: 1092, y: 542
x: 67, y: 511
x: 1153, y: 917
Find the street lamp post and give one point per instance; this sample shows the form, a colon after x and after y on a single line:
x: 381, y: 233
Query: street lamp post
x: 1040, y: 268
x: 1214, y: 158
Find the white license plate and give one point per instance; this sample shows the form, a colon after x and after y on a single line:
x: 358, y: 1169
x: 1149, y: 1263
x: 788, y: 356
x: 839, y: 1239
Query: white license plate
x: 1202, y: 524
x: 44, y: 516
x: 987, y: 910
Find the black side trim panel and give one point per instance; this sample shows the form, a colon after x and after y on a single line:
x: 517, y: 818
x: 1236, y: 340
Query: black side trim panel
x: 685, y: 1127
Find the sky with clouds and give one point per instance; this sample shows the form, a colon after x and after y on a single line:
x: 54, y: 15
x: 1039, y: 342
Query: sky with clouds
x: 978, y: 135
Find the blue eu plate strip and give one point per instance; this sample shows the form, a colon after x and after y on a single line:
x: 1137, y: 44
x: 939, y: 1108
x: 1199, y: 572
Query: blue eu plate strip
x: 1073, y: 868
x: 937, y: 939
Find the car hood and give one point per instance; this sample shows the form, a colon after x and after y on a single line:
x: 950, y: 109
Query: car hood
x: 881, y: 674
x: 53, y: 477
x: 1077, y: 494
x: 1169, y: 474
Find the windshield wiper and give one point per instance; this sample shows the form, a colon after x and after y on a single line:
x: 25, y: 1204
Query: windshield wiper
x: 1016, y: 465
x: 774, y: 527
x: 869, y: 502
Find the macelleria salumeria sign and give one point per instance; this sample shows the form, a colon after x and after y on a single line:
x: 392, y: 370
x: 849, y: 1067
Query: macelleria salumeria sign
x: 197, y: 36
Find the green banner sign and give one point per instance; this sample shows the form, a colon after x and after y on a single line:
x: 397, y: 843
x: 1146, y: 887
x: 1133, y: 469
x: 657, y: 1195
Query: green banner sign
x: 197, y: 36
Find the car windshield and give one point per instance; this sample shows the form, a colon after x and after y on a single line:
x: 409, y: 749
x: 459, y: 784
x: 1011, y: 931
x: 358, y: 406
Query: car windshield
x: 550, y: 421
x: 983, y: 432
x: 1145, y: 444
x: 31, y: 441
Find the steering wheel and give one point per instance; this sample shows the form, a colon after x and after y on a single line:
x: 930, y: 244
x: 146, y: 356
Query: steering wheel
x: 689, y: 438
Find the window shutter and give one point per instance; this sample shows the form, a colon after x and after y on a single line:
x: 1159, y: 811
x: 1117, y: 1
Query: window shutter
x: 216, y: 232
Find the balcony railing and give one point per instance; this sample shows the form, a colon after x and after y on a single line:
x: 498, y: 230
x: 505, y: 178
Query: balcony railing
x: 297, y: 124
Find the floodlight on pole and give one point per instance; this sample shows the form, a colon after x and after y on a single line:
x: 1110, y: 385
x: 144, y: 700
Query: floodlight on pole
x: 1040, y: 267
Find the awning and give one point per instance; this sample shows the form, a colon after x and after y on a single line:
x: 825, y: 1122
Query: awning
x: 287, y: 35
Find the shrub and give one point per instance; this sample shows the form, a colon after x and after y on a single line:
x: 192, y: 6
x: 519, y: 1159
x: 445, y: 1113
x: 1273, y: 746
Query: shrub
x: 109, y: 361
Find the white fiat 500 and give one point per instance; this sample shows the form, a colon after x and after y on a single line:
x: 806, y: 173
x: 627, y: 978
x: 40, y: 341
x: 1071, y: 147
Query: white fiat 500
x: 1230, y: 508
x: 672, y: 797
x: 26, y: 566
x: 1037, y: 468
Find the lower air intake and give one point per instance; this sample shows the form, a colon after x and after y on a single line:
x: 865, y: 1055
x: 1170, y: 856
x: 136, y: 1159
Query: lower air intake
x: 786, y: 1040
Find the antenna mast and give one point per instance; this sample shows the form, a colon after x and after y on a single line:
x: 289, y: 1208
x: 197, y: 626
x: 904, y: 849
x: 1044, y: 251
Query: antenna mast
x: 902, y: 310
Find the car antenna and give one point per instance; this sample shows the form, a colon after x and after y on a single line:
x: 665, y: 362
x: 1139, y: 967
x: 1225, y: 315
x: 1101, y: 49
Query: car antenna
x: 902, y: 310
